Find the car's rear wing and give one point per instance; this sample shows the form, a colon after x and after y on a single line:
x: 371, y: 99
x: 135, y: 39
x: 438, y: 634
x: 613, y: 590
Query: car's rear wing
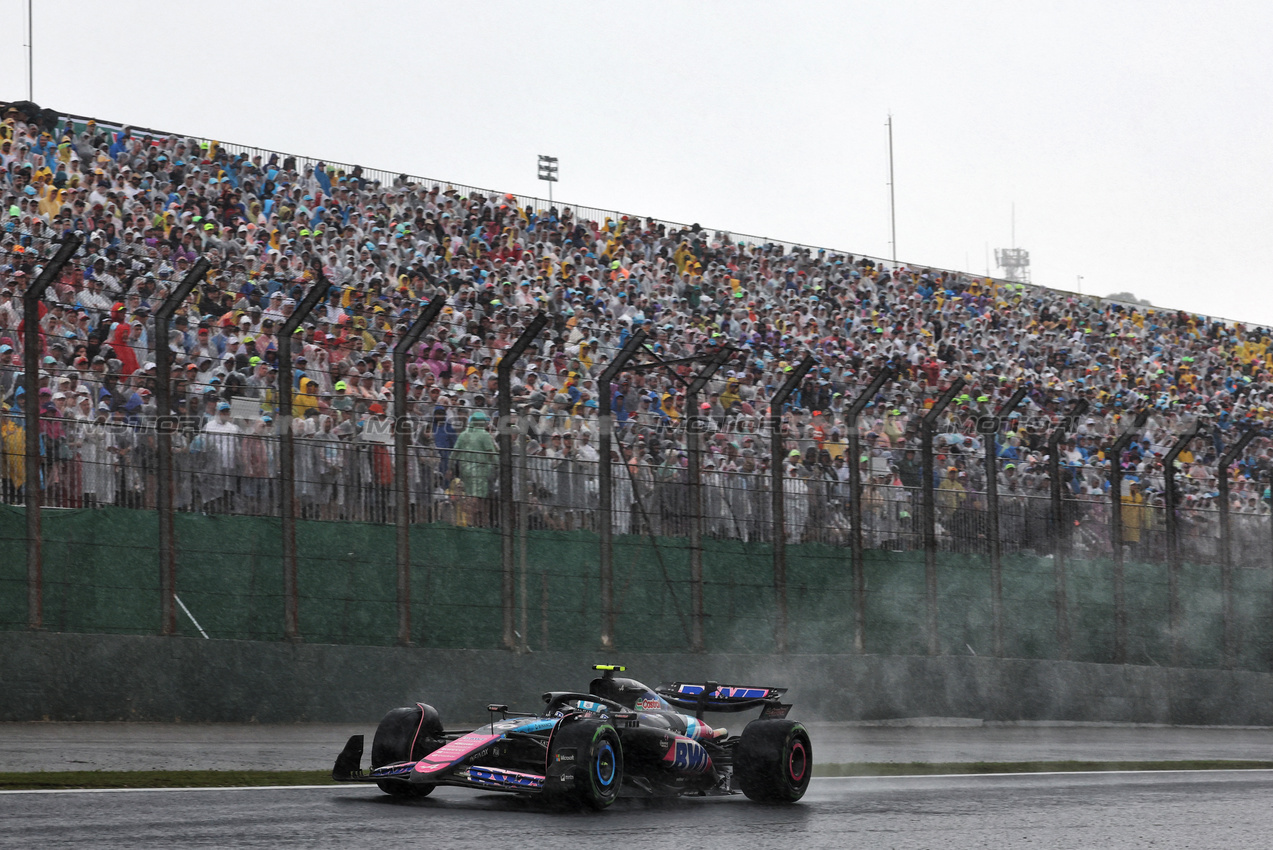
x: 710, y: 696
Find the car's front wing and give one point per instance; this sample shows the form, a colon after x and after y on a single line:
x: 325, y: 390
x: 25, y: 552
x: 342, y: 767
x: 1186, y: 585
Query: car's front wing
x: 348, y: 768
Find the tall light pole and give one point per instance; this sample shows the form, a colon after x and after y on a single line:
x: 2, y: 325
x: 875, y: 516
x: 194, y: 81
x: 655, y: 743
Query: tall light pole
x: 892, y: 204
x: 548, y: 173
x: 30, y: 51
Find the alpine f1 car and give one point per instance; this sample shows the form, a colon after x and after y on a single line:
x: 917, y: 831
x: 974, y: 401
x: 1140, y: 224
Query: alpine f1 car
x: 621, y: 739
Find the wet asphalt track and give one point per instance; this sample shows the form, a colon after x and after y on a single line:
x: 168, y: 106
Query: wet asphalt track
x: 314, y: 746
x: 1112, y: 811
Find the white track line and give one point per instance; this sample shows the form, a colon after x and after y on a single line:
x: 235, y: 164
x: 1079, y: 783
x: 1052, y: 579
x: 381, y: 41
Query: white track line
x: 1243, y: 770
x: 134, y: 790
x: 913, y: 776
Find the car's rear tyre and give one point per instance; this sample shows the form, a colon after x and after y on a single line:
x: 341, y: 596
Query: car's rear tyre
x: 773, y: 761
x: 592, y: 746
x: 406, y: 734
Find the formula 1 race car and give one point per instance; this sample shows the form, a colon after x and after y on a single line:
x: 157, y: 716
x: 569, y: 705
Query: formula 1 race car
x: 619, y: 739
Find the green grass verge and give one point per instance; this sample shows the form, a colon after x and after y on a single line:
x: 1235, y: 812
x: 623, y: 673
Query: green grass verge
x: 938, y: 768
x: 160, y: 779
x: 54, y: 780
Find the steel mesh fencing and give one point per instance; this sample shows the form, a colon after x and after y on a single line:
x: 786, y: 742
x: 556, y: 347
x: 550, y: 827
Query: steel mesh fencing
x: 668, y: 536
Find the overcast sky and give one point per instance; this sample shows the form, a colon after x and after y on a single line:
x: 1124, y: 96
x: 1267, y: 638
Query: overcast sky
x: 1133, y: 138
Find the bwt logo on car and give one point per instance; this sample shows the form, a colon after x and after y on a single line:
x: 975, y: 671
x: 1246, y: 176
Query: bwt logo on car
x: 740, y: 693
x: 688, y: 756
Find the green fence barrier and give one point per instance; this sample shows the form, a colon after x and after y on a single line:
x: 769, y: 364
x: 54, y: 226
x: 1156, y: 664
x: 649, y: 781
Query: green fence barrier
x: 13, y: 569
x: 1029, y: 593
x: 1090, y: 593
x: 1253, y: 618
x: 101, y: 576
x: 229, y: 575
x: 1148, y: 617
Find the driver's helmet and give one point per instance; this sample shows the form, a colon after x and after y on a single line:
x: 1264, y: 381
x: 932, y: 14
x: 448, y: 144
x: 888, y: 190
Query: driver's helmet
x: 627, y: 692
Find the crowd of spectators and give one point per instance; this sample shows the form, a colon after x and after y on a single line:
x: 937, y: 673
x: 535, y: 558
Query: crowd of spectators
x: 272, y: 226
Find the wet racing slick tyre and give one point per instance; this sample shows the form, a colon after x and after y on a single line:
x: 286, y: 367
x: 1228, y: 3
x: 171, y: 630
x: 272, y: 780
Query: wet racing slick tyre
x: 773, y: 761
x: 406, y: 734
x: 593, y: 748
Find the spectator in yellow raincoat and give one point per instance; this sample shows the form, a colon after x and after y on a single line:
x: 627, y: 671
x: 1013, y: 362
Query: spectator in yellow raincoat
x: 306, y: 399
x: 1133, y: 514
x: 13, y: 434
x: 951, y: 493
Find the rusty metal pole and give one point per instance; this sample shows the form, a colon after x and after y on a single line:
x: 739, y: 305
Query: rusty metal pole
x: 1116, y: 539
x: 779, y: 509
x: 401, y: 448
x: 693, y: 486
x: 507, y: 503
x: 522, y: 507
x: 1116, y: 534
x: 1061, y: 544
x: 1174, y: 613
x: 926, y: 426
x: 31, y: 418
x: 287, y: 459
x: 857, y: 566
x: 165, y: 425
x: 990, y: 439
x: 606, y: 480
x: 693, y: 428
x: 1226, y: 546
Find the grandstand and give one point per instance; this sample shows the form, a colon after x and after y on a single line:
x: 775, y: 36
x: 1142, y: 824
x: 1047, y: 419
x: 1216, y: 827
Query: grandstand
x: 272, y: 225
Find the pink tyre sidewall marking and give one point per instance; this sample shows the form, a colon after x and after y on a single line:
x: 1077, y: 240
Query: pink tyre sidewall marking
x: 797, y: 760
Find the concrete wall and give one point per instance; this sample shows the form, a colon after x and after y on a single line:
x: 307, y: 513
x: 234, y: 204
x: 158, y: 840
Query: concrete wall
x: 52, y: 676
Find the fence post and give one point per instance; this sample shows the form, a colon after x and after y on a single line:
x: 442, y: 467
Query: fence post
x: 401, y: 427
x: 31, y: 418
x: 1062, y: 542
x: 523, y: 520
x: 990, y: 439
x: 504, y: 373
x: 857, y: 567
x: 1226, y: 545
x: 693, y: 426
x: 779, y: 524
x: 165, y: 425
x: 929, y: 509
x: 1173, y: 541
x: 1116, y: 533
x: 287, y: 458
x: 605, y: 476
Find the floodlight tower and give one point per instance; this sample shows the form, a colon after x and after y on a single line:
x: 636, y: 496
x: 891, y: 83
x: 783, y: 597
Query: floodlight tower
x: 548, y: 172
x: 1015, y: 263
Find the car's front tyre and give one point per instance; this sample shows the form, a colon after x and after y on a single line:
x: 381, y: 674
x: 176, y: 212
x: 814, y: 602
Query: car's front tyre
x: 406, y: 734
x: 592, y: 746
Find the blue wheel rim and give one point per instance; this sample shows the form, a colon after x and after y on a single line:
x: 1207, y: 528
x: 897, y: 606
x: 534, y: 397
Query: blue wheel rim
x: 604, y: 764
